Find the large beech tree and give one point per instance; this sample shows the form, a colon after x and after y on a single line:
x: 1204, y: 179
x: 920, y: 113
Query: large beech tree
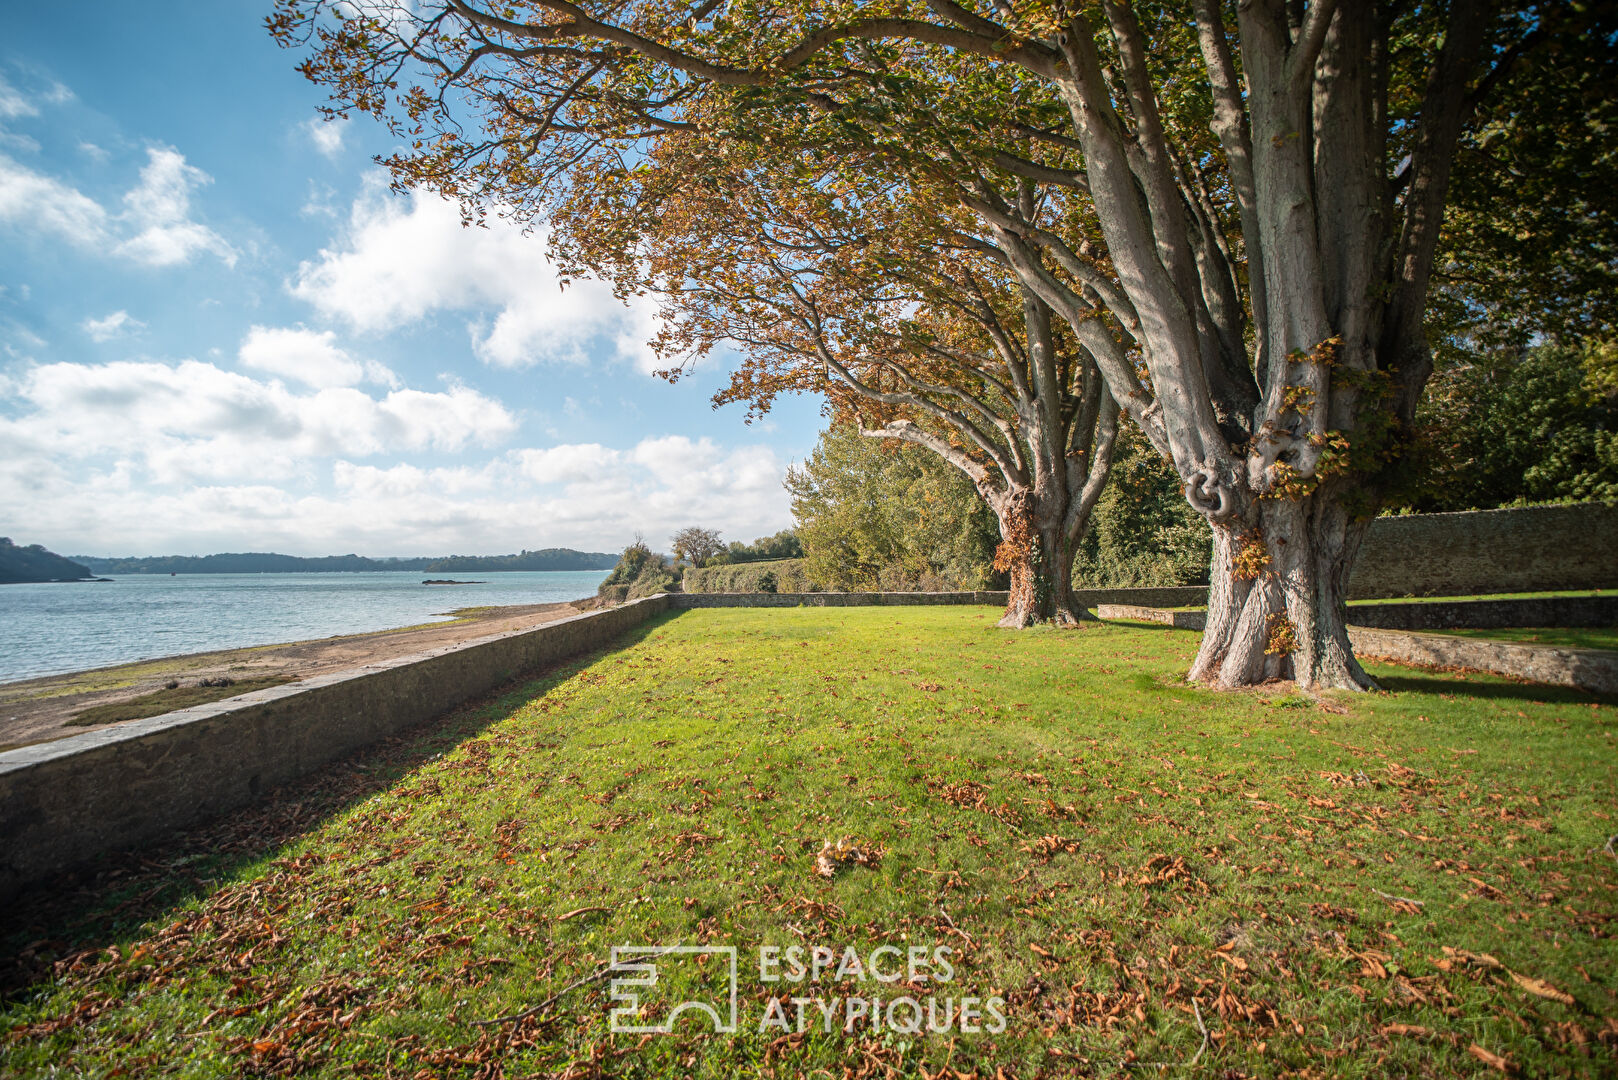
x: 1268, y: 180
x: 884, y: 301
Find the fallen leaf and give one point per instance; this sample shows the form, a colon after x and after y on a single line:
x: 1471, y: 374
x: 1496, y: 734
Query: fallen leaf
x: 1494, y: 1061
x: 1541, y: 988
x: 578, y: 911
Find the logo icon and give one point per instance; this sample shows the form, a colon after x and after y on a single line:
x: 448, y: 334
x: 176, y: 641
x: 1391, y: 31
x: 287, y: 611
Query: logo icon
x: 641, y: 965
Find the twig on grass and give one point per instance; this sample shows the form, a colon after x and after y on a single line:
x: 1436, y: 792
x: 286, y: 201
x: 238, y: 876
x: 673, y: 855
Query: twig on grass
x: 1610, y: 841
x: 1196, y: 1010
x: 955, y: 928
x: 1399, y: 899
x: 593, y: 977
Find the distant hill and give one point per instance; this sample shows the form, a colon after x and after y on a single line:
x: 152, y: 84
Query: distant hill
x: 548, y: 559
x: 254, y: 562
x: 34, y: 563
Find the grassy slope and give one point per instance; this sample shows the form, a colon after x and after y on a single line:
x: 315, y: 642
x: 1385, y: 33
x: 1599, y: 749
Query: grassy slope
x: 1109, y: 846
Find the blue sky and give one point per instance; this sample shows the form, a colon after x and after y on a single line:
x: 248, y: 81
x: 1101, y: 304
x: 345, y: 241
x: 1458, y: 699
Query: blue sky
x: 219, y: 331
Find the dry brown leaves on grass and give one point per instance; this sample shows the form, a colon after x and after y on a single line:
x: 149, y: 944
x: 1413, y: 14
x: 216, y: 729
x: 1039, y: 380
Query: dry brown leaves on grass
x: 971, y: 795
x: 845, y: 852
x: 1049, y: 846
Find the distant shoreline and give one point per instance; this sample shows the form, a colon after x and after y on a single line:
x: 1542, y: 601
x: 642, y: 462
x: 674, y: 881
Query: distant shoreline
x: 560, y: 560
x: 42, y: 708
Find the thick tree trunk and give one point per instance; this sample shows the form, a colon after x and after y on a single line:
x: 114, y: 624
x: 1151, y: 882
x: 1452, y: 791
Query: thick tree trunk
x: 1041, y: 584
x: 1276, y: 598
x: 1036, y: 553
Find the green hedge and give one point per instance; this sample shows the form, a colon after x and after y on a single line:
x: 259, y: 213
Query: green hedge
x: 774, y: 575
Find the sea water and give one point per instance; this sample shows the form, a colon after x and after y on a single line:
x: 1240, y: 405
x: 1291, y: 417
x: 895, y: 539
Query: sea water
x: 52, y: 628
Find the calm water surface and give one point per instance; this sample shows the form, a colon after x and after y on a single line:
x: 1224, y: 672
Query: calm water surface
x: 70, y: 626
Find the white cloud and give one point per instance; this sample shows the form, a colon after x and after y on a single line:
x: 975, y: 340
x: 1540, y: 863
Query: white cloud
x: 115, y: 325
x: 14, y: 105
x: 327, y: 135
x: 577, y: 495
x: 190, y: 421
x: 160, y: 208
x: 402, y: 260
x: 93, y: 152
x: 155, y: 227
x: 309, y: 356
x: 31, y: 200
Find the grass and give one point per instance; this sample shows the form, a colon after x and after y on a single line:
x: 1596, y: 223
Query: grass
x: 1400, y: 883
x: 162, y: 701
x: 1595, y: 637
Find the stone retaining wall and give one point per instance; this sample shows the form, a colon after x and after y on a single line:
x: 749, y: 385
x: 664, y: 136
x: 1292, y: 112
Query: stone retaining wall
x: 1523, y: 549
x: 1488, y: 614
x: 1595, y: 670
x: 63, y: 803
x: 1088, y: 598
x: 683, y: 601
x: 1424, y: 614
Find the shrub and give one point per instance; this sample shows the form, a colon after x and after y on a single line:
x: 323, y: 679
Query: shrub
x: 782, y: 575
x: 640, y: 572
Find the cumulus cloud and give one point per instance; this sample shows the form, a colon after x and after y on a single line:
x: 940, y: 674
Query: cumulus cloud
x: 179, y: 423
x: 36, y: 202
x: 111, y: 326
x: 401, y: 260
x: 311, y: 357
x: 154, y: 228
x: 576, y: 495
x: 159, y: 207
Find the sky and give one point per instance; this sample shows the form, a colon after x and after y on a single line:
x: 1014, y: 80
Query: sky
x: 219, y: 331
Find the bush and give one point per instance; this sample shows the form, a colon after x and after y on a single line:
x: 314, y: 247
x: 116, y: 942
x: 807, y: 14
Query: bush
x: 781, y: 575
x: 640, y: 572
x: 654, y: 579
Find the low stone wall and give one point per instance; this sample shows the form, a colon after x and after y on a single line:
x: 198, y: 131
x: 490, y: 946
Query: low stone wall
x: 63, y: 803
x: 1087, y: 598
x: 1595, y: 670
x: 1180, y: 620
x: 682, y: 601
x: 1524, y: 549
x: 1425, y: 615
x: 1488, y: 614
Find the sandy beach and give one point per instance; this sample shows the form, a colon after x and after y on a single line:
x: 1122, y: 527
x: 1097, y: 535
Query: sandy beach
x: 39, y: 710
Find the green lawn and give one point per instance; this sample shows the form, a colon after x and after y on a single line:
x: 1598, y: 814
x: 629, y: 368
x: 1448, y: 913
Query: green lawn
x: 1590, y: 637
x: 1113, y: 853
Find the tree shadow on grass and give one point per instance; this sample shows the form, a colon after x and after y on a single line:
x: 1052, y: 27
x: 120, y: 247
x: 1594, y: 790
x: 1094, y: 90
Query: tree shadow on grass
x: 1133, y: 624
x: 93, y: 908
x: 1415, y: 681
